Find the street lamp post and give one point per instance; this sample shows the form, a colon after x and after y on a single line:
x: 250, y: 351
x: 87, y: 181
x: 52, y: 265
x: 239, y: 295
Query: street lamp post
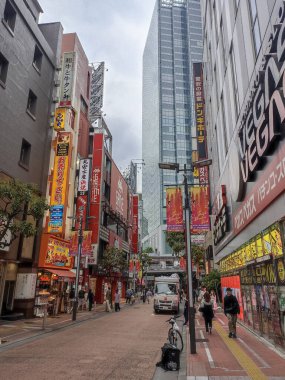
x: 191, y: 308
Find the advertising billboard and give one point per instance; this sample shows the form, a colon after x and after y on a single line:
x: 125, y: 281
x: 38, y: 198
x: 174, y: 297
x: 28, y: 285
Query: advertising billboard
x: 86, y: 249
x: 200, y: 220
x: 119, y: 192
x: 83, y: 180
x: 174, y: 209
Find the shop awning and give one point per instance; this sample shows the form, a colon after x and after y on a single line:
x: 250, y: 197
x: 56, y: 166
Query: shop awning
x: 62, y: 273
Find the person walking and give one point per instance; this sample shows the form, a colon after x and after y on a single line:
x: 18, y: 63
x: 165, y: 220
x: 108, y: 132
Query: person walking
x: 108, y: 300
x: 206, y: 309
x: 90, y: 298
x: 201, y: 293
x: 148, y: 295
x: 117, y: 300
x: 81, y: 295
x: 214, y: 299
x: 231, y: 310
x: 185, y: 312
x: 128, y: 296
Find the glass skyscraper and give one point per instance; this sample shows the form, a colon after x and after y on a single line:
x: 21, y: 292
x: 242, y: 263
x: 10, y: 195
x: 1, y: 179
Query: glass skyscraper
x: 173, y: 43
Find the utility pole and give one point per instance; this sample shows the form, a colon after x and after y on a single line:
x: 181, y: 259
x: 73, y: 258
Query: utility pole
x: 80, y: 240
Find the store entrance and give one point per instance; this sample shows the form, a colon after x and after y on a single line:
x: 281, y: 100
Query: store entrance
x: 8, y: 297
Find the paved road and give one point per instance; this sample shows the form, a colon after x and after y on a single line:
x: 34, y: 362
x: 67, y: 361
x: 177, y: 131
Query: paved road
x: 123, y: 346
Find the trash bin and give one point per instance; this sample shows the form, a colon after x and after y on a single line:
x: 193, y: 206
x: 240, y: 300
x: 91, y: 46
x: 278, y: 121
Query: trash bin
x: 170, y: 357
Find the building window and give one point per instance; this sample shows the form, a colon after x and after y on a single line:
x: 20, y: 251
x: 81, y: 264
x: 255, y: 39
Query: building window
x: 234, y: 81
x: 10, y: 16
x: 222, y: 39
x: 32, y: 104
x: 255, y: 26
x: 38, y: 57
x: 3, y: 69
x: 224, y: 125
x: 25, y: 154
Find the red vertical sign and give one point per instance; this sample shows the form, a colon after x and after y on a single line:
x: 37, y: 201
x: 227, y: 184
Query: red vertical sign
x: 174, y: 209
x: 135, y: 237
x: 96, y: 181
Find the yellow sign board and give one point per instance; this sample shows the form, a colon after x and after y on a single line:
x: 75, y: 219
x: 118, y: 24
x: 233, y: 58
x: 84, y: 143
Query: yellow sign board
x: 60, y: 119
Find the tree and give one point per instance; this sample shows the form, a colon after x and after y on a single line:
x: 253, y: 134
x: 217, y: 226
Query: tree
x: 20, y: 208
x: 197, y: 253
x: 176, y: 241
x: 113, y: 262
x: 213, y: 281
x: 148, y: 250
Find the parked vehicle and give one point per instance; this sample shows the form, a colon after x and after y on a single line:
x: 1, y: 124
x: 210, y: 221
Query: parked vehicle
x: 166, y: 294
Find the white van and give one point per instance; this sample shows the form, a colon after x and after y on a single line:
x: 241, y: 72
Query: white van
x: 166, y: 294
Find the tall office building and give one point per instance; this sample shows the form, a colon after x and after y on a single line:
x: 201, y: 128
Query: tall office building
x: 173, y: 43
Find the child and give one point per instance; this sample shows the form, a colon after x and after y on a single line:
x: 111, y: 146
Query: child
x: 207, y: 309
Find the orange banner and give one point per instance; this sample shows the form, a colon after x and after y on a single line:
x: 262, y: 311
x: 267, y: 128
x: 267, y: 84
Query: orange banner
x: 86, y: 243
x: 174, y: 209
x: 200, y: 220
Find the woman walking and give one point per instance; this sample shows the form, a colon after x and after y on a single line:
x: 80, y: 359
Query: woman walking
x: 207, y: 309
x: 214, y: 299
x: 117, y: 301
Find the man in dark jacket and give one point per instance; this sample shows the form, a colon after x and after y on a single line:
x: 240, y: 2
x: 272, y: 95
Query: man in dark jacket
x: 231, y: 310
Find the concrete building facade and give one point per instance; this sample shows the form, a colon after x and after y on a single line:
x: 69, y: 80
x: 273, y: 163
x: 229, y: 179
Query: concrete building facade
x: 244, y: 87
x: 29, y: 56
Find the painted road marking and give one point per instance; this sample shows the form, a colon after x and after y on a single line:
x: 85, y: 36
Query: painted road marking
x: 259, y: 358
x: 208, y: 353
x: 244, y: 360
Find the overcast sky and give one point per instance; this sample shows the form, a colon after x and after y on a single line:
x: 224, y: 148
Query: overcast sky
x: 113, y: 31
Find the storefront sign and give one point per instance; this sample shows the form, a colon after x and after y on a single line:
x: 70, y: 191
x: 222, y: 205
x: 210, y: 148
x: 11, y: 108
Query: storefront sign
x: 264, y: 115
x: 59, y: 182
x: 54, y: 253
x: 200, y: 220
x: 174, y: 210
x: 119, y: 192
x: 83, y: 180
x: 135, y: 235
x: 67, y: 80
x: 197, y: 239
x: 221, y: 223
x: 261, y: 248
x: 266, y: 189
x: 96, y: 179
x: 60, y: 119
x: 200, y: 110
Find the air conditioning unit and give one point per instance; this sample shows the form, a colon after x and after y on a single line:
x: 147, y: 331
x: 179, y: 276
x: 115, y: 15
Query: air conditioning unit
x: 56, y: 83
x: 52, y: 114
x: 55, y: 99
x: 51, y: 123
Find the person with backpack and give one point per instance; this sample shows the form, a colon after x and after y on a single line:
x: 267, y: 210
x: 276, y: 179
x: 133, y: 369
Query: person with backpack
x: 231, y: 310
x: 206, y: 308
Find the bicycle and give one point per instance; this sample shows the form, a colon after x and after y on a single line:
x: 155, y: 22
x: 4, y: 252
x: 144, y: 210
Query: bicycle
x: 174, y: 335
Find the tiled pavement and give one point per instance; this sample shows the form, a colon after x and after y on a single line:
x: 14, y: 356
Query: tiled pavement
x: 223, y: 358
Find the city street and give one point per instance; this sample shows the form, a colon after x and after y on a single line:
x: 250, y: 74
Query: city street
x: 124, y: 345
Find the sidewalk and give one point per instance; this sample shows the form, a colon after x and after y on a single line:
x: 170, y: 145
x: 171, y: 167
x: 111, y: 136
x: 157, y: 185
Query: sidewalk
x: 223, y: 358
x: 23, y: 329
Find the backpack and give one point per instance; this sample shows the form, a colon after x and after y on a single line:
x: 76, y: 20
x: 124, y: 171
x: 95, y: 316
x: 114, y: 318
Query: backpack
x: 170, y: 358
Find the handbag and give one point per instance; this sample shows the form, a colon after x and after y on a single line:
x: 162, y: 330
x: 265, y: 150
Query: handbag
x: 201, y: 309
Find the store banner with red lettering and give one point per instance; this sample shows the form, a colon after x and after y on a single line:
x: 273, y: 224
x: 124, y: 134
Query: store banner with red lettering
x: 83, y: 180
x: 174, y: 209
x: 200, y: 110
x: 86, y: 243
x: 130, y: 230
x: 60, y: 182
x: 131, y: 266
x: 200, y: 220
x: 96, y: 185
x: 233, y: 282
x: 135, y: 224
